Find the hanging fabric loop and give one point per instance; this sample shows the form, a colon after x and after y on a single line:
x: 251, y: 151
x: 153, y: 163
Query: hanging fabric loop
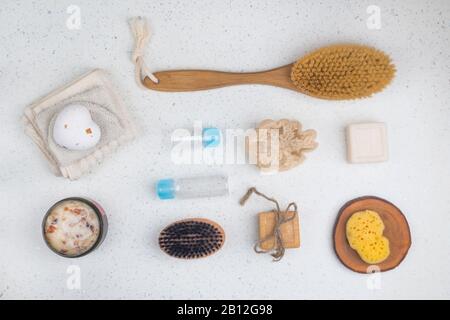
x: 141, y: 33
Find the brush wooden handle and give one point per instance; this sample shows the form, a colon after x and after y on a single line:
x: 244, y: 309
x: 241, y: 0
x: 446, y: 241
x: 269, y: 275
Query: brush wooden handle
x: 193, y: 80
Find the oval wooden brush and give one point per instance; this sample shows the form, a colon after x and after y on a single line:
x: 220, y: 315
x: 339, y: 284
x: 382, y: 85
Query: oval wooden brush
x: 336, y: 72
x: 192, y: 238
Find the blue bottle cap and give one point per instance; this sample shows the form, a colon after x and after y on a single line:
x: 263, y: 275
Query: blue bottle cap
x: 165, y: 189
x: 211, y: 137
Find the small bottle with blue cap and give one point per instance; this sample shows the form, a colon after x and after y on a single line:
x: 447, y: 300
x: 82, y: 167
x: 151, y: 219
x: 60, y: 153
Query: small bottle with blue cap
x: 196, y: 187
x: 210, y: 137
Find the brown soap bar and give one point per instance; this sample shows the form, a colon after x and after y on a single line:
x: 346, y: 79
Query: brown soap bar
x: 290, y: 231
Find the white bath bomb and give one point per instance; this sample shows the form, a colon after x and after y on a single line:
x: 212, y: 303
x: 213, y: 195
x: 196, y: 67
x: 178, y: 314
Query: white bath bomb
x: 75, y: 129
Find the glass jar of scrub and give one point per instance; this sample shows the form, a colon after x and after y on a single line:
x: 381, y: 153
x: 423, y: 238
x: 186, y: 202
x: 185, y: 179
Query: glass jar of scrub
x: 74, y: 227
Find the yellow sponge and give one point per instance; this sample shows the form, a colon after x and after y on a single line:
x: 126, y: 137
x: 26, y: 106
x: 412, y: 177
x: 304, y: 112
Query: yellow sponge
x: 365, y: 235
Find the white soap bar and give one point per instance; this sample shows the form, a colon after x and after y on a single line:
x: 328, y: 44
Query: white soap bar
x: 367, y: 142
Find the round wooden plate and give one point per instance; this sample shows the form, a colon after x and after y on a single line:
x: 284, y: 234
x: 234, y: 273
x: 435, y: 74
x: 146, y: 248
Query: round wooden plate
x: 396, y: 230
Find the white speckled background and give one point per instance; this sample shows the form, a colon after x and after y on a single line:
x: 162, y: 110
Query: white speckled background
x: 38, y: 54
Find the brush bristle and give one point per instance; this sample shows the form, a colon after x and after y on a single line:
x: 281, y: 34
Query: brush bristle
x: 191, y: 239
x: 343, y: 72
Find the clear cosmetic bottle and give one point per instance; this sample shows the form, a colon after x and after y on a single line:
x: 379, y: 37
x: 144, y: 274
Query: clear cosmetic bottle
x: 197, y: 187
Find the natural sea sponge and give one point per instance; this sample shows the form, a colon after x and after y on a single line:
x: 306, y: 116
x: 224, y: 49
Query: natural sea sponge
x: 364, y: 232
x: 290, y: 144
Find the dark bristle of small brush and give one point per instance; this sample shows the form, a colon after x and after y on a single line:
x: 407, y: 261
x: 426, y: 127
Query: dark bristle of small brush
x: 190, y: 239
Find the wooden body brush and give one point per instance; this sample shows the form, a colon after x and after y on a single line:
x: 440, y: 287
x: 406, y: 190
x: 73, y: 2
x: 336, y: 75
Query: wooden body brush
x: 336, y: 72
x: 192, y: 238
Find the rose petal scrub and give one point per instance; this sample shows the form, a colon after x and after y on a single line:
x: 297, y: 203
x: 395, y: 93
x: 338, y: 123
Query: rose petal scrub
x: 74, y: 227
